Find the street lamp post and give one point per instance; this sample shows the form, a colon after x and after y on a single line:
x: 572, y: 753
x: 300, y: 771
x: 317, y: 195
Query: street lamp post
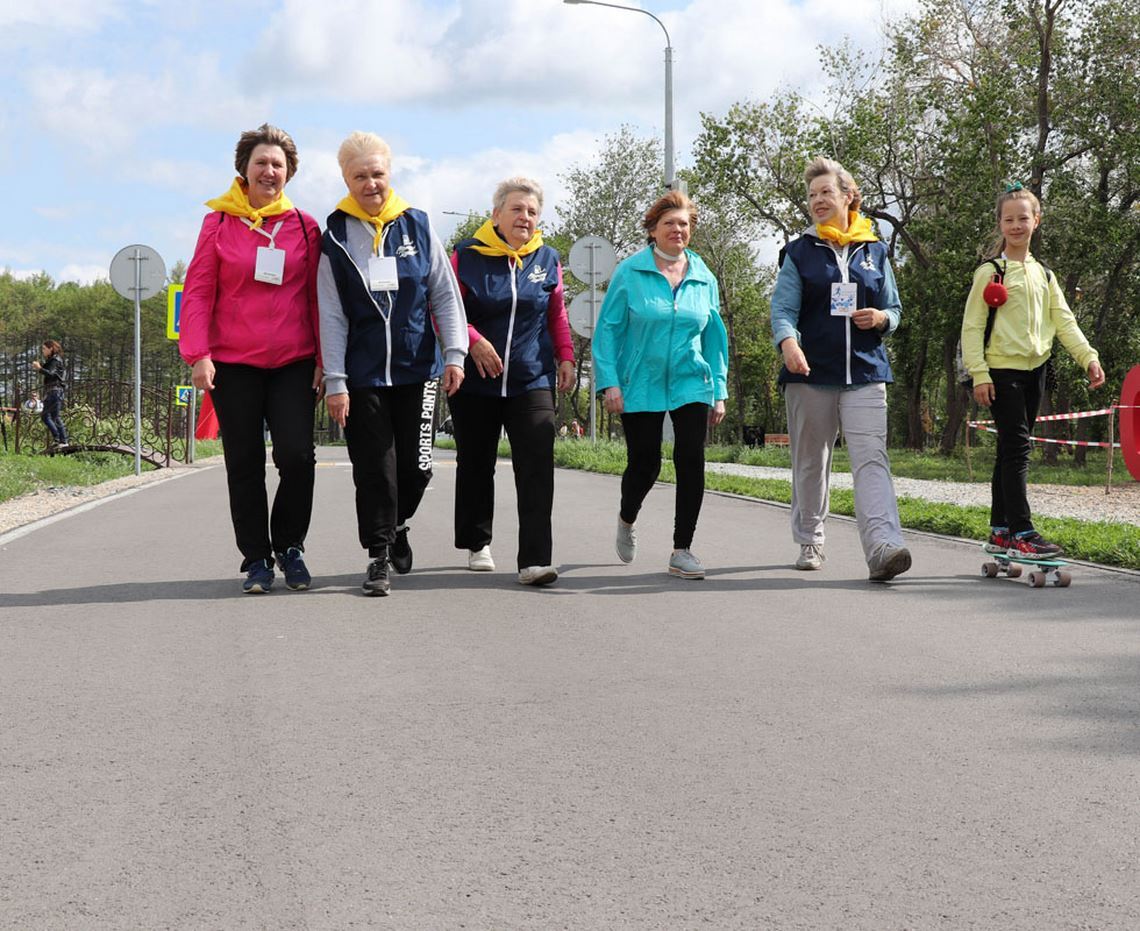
x: 670, y: 177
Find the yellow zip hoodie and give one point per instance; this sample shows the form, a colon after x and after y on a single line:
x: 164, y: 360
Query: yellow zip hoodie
x: 1024, y: 326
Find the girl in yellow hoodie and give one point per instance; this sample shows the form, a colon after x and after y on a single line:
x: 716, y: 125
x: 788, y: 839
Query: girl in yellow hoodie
x: 1007, y: 362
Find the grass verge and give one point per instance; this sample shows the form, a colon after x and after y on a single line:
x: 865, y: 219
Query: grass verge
x: 1107, y: 543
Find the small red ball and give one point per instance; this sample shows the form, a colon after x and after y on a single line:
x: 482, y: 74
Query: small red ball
x: 995, y: 294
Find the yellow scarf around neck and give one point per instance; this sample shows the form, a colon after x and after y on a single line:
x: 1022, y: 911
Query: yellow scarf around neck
x: 858, y: 230
x: 493, y: 244
x: 236, y: 203
x: 394, y: 205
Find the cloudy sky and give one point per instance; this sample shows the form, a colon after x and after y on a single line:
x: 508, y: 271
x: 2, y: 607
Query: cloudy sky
x: 119, y: 117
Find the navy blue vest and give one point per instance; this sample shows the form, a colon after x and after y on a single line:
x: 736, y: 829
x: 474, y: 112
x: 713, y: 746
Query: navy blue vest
x: 486, y: 281
x: 824, y: 338
x: 415, y: 353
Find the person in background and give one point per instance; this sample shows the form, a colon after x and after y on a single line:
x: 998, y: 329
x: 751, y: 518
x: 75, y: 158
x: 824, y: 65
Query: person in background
x: 250, y: 332
x: 834, y: 303
x: 386, y: 289
x: 52, y: 371
x: 1006, y: 351
x: 520, y: 352
x: 660, y: 346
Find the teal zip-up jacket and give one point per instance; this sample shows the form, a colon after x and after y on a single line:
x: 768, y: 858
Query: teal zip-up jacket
x: 662, y: 350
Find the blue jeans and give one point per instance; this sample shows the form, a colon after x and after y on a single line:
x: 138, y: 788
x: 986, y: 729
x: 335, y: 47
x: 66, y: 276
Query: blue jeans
x: 53, y: 403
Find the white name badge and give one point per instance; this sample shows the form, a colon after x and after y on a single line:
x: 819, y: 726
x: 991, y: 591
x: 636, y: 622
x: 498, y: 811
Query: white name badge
x: 843, y: 298
x: 270, y: 266
x: 382, y: 275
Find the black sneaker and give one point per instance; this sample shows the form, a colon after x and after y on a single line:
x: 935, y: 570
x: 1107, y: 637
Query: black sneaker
x: 293, y: 565
x: 400, y: 552
x: 376, y: 581
x: 1035, y: 546
x: 258, y: 577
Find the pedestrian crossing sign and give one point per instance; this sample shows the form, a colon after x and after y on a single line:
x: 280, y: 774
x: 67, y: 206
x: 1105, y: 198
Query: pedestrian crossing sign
x: 182, y: 395
x: 173, y: 311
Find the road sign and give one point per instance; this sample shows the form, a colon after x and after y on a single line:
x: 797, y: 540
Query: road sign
x: 182, y: 395
x: 592, y: 260
x: 174, y: 311
x: 150, y: 277
x: 584, y: 311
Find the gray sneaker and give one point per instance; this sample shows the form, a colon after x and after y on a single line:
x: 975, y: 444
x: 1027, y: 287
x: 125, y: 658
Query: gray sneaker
x: 685, y: 565
x: 626, y: 542
x: 888, y: 562
x: 811, y: 556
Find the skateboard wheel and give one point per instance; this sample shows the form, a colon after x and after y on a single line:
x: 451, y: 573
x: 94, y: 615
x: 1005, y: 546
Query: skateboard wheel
x: 1037, y: 579
x: 1014, y: 570
x: 990, y: 570
x: 1063, y: 579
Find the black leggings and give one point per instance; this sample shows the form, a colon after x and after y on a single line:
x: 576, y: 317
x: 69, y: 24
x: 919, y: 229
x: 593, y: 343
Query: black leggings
x: 1017, y: 397
x: 246, y: 398
x: 643, y: 464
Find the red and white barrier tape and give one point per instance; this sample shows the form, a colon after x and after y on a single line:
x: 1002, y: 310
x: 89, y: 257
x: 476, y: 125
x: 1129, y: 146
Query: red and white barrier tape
x: 980, y: 425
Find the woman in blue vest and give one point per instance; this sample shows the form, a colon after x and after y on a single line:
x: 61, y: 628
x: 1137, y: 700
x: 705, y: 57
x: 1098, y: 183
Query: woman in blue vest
x: 835, y: 300
x: 660, y: 345
x: 520, y: 350
x: 385, y: 290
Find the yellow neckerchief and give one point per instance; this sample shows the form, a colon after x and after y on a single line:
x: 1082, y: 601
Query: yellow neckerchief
x: 858, y: 230
x: 236, y: 203
x: 394, y: 205
x: 493, y: 244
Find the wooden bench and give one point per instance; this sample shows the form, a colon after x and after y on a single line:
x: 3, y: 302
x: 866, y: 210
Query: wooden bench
x: 776, y: 439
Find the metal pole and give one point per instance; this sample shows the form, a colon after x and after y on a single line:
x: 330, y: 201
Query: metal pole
x: 1111, y: 447
x: 670, y: 177
x: 593, y: 323
x: 138, y: 362
x: 192, y: 439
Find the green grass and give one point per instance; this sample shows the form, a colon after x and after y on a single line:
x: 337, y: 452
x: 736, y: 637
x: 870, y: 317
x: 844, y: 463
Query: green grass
x: 1110, y: 544
x: 22, y: 474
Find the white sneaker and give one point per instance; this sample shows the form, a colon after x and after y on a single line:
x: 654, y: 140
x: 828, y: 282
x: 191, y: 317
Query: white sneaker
x: 480, y: 560
x: 811, y: 556
x: 626, y: 541
x: 537, y: 575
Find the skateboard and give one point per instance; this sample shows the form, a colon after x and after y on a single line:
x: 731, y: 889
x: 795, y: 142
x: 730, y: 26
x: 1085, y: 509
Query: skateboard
x: 1043, y: 571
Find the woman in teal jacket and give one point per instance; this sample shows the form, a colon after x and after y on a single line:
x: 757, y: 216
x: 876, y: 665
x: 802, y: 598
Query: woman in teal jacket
x: 660, y: 345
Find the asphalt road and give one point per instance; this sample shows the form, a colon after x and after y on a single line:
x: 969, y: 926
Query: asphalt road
x: 764, y: 749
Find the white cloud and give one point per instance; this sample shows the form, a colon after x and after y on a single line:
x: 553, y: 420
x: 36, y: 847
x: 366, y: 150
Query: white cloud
x: 23, y: 274
x: 85, y: 274
x: 61, y: 15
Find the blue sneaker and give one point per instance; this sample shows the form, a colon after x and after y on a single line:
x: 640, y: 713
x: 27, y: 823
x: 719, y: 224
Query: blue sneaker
x: 297, y: 576
x: 258, y: 577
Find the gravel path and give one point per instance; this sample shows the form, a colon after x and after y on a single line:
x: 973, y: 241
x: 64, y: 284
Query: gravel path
x: 1082, y: 502
x: 1085, y: 503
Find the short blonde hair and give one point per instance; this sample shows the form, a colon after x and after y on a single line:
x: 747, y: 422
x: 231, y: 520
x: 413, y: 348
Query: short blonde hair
x: 674, y: 200
x: 520, y: 184
x: 359, y: 144
x: 820, y: 166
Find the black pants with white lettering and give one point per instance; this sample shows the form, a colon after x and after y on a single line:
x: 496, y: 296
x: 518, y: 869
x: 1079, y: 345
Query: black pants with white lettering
x: 529, y: 422
x: 390, y: 432
x: 1017, y: 397
x: 643, y: 432
x: 246, y: 398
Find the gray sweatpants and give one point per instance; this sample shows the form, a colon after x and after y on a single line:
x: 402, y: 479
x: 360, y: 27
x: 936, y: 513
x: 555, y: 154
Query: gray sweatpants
x: 815, y: 416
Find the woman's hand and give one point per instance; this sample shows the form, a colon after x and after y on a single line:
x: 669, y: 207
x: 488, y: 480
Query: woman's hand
x: 1096, y: 375
x: 794, y: 358
x: 566, y: 376
x: 984, y: 394
x: 319, y: 383
x: 868, y: 318
x: 338, y: 407
x: 612, y: 400
x: 716, y: 413
x: 202, y: 375
x: 453, y: 376
x: 487, y: 361
x: 36, y: 365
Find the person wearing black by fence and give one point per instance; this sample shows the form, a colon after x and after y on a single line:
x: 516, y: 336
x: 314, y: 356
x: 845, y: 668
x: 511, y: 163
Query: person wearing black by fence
x: 1014, y: 311
x: 52, y: 371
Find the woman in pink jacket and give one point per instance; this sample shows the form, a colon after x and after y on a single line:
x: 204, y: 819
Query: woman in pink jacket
x: 250, y: 330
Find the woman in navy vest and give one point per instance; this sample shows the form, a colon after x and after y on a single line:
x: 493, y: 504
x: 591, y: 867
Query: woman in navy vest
x: 385, y: 290
x: 520, y: 350
x: 835, y: 300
